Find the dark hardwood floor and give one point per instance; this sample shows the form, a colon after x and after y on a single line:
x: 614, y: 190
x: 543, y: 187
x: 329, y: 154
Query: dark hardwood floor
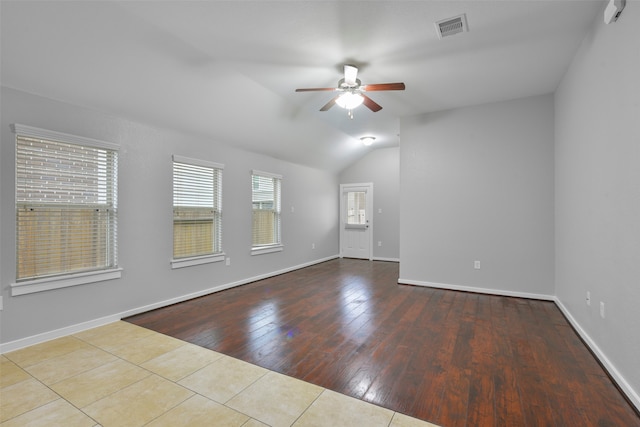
x: 451, y: 358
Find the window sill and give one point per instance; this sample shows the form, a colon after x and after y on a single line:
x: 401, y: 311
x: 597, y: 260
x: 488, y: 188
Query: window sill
x: 49, y: 283
x: 197, y: 260
x: 259, y: 250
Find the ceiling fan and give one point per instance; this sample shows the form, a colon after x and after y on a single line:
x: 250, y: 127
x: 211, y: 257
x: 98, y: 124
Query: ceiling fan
x: 351, y: 92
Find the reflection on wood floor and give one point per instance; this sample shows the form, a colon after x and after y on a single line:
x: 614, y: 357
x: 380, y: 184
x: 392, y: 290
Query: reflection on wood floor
x: 450, y: 358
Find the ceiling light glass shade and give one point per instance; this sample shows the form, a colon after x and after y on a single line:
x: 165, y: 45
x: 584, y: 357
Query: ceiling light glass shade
x: 349, y: 100
x: 368, y: 140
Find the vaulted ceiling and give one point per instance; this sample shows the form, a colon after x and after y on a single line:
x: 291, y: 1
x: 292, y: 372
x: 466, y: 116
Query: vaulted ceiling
x: 228, y: 69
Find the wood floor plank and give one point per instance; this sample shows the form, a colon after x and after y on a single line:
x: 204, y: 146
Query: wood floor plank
x: 451, y: 358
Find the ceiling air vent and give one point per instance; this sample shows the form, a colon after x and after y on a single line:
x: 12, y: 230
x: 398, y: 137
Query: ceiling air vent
x: 451, y: 26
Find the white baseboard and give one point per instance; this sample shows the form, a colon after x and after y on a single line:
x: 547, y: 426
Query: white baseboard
x: 57, y: 333
x: 73, y: 329
x: 219, y: 288
x: 631, y: 394
x: 377, y: 258
x: 489, y: 291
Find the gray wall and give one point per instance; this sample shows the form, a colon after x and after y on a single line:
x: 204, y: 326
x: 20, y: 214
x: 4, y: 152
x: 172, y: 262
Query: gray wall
x: 597, y: 154
x: 476, y: 183
x: 381, y: 167
x: 145, y: 218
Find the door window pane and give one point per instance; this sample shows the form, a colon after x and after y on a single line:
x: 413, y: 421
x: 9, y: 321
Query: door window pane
x: 356, y: 203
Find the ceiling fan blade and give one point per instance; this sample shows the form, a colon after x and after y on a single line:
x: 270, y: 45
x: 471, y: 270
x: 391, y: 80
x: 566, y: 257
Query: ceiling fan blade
x: 383, y: 86
x: 350, y: 75
x: 315, y: 89
x: 329, y: 104
x: 371, y: 104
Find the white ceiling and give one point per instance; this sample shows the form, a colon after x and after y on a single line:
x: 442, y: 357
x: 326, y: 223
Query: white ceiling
x: 228, y: 69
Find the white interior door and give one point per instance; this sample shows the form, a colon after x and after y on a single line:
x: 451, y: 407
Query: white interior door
x: 356, y: 204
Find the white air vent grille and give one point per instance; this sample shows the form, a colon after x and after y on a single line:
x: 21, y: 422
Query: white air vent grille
x: 451, y: 26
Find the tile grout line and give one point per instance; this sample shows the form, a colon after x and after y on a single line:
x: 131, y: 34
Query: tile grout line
x: 324, y: 389
x: 141, y: 379
x: 309, y: 406
x: 170, y: 409
x: 160, y: 375
x: 176, y: 382
x: 150, y: 373
x: 60, y: 397
x: 47, y: 403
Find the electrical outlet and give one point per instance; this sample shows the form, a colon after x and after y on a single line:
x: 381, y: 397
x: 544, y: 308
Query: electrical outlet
x: 588, y: 298
x: 601, y: 309
x: 379, y: 243
x: 227, y: 261
x: 1, y: 303
x: 476, y: 265
x: 313, y: 246
x: 292, y: 209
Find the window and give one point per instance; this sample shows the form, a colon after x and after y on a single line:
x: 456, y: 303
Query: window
x: 356, y: 207
x: 197, y: 212
x: 265, y: 198
x: 66, y: 210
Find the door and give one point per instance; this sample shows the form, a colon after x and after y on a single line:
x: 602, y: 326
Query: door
x: 356, y: 204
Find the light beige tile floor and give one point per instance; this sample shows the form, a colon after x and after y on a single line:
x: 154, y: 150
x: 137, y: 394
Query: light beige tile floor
x: 124, y: 375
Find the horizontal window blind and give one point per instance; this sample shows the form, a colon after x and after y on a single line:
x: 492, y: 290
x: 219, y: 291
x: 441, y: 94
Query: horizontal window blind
x: 197, y: 209
x: 66, y: 208
x: 266, y: 209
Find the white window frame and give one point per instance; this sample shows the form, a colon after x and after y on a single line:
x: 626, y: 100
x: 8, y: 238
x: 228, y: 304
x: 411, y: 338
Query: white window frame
x: 207, y: 258
x: 274, y: 247
x: 63, y: 280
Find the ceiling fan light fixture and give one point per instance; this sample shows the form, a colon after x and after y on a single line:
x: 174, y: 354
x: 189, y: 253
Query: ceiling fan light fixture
x: 349, y: 100
x: 367, y: 140
x: 350, y: 90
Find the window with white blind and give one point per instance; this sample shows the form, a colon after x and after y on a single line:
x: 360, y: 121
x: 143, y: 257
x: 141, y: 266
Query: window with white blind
x: 265, y: 198
x: 66, y: 210
x: 197, y: 212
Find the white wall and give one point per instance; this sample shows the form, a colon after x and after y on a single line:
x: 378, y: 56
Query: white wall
x: 145, y: 218
x: 597, y: 131
x: 381, y: 167
x: 476, y: 183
